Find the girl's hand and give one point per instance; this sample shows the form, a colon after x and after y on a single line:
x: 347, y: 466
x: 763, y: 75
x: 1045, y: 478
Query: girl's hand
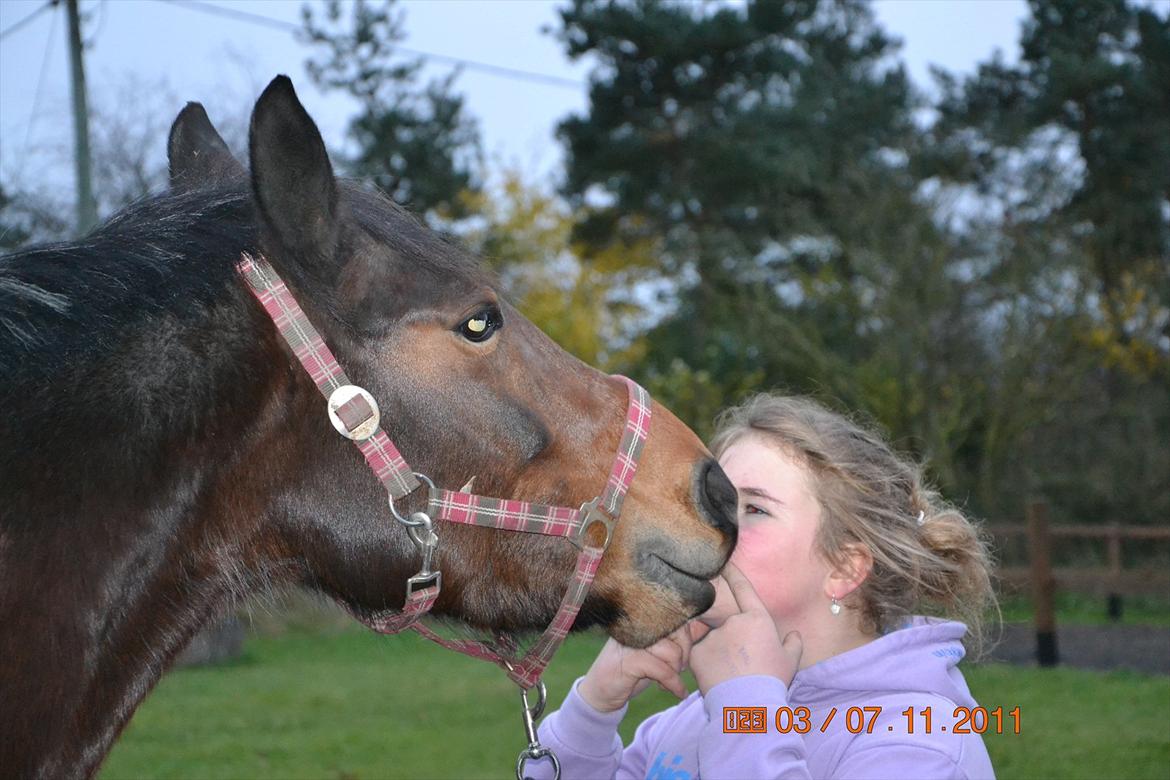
x: 620, y: 673
x: 724, y: 606
x: 745, y: 643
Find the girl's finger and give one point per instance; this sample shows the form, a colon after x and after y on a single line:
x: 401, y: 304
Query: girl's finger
x: 681, y: 637
x: 793, y: 645
x: 676, y: 686
x: 667, y: 651
x: 664, y: 674
x: 745, y: 595
x: 697, y: 630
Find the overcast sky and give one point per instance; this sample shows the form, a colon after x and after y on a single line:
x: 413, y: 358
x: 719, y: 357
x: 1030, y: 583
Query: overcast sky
x: 174, y: 52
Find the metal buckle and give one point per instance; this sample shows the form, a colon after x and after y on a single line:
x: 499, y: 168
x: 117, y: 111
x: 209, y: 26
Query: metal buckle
x: 591, y: 512
x: 423, y: 581
x: 363, y: 429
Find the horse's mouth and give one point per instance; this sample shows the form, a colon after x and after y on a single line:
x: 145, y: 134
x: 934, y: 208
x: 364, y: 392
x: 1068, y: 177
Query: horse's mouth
x: 695, y: 589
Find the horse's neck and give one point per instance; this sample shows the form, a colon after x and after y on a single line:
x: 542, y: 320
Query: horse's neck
x: 93, y: 632
x: 105, y: 579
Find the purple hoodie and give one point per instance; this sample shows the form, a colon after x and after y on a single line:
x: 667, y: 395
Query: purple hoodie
x: 912, y: 667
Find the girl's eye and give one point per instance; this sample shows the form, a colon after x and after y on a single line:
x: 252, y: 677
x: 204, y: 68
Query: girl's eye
x: 480, y: 326
x: 752, y: 509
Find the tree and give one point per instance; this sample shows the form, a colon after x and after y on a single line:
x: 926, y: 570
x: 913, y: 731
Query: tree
x: 129, y: 123
x: 1068, y: 153
x: 416, y: 143
x: 25, y: 219
x: 524, y: 235
x: 727, y: 132
x: 1093, y: 82
x: 765, y: 150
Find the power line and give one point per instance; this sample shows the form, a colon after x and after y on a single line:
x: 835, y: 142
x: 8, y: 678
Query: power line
x: 485, y: 67
x: 36, y: 96
x: 13, y: 28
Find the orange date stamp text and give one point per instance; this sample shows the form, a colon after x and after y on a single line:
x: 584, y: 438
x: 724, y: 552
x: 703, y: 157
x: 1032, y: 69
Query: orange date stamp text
x: 864, y: 720
x: 745, y: 720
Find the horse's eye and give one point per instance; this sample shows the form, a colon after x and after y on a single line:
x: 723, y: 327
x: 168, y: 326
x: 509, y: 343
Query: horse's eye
x: 481, y: 325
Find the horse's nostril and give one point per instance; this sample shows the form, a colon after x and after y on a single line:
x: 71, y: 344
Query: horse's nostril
x: 717, y: 497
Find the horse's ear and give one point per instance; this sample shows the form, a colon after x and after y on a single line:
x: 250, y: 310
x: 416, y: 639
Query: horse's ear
x: 292, y: 179
x: 196, y: 152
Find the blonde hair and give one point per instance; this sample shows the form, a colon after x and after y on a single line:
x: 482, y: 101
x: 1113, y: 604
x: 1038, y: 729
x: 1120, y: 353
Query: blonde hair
x: 869, y: 495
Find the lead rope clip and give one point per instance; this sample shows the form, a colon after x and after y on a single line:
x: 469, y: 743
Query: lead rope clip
x: 535, y: 751
x: 425, y: 538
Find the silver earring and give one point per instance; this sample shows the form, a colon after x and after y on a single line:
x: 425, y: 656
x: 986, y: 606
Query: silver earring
x: 835, y: 607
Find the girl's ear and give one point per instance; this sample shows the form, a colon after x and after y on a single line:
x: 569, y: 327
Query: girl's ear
x: 848, y: 576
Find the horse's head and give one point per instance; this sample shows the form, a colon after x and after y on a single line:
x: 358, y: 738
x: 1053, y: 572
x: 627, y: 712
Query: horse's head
x: 469, y: 389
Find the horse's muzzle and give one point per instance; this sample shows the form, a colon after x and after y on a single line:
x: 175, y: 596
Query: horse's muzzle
x: 717, y: 498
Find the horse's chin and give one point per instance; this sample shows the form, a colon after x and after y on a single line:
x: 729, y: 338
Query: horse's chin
x: 660, y: 611
x: 651, y: 604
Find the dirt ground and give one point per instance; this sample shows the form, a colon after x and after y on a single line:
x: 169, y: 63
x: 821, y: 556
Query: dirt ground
x: 1141, y: 648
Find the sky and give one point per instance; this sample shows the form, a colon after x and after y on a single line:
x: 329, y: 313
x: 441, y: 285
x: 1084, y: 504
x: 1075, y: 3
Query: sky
x: 150, y: 55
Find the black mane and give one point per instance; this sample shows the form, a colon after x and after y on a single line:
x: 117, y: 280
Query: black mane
x: 63, y: 305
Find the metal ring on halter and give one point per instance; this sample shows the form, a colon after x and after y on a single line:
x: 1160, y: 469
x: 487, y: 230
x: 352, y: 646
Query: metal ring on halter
x: 422, y: 531
x: 535, y: 753
x: 411, y: 521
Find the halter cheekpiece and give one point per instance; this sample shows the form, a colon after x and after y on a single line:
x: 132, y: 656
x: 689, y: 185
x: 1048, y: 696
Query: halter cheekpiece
x: 354, y: 413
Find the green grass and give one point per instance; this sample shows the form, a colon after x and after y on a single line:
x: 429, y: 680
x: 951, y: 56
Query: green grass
x: 1076, y: 608
x: 352, y: 704
x: 1077, y: 724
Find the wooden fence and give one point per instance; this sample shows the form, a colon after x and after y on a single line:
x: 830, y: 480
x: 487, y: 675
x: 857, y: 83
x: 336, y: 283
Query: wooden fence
x: 1113, y: 581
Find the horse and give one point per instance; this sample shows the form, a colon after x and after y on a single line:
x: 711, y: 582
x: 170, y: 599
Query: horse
x: 162, y: 455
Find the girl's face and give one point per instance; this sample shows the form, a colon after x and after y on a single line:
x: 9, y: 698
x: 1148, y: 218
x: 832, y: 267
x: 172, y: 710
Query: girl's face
x: 778, y: 521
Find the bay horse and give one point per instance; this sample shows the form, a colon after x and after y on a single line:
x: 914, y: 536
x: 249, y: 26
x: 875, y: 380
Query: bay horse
x: 162, y: 455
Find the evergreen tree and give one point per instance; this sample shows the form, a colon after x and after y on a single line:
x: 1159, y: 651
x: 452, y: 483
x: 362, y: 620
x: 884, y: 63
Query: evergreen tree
x: 743, y: 140
x: 417, y: 143
x: 1067, y: 156
x: 1093, y: 82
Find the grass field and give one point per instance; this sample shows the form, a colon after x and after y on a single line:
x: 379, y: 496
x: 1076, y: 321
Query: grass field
x: 350, y: 704
x: 1089, y: 610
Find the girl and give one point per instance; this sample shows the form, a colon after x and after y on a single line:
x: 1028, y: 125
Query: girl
x: 815, y: 622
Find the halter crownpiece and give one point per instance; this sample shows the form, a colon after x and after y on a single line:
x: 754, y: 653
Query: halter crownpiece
x: 354, y: 413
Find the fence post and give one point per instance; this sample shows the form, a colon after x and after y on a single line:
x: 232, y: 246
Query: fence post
x: 1043, y: 582
x: 1113, y: 599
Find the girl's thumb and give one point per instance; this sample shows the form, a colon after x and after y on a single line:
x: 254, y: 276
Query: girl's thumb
x: 793, y: 644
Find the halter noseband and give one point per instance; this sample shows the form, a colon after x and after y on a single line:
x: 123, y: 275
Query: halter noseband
x: 355, y: 415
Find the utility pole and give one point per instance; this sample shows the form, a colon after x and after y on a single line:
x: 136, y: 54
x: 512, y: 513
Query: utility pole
x: 86, y: 207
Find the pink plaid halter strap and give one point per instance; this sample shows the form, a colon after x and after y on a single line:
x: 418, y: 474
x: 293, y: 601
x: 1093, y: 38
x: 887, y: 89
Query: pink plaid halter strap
x: 354, y: 413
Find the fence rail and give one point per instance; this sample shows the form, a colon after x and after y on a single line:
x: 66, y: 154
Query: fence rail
x: 1113, y: 580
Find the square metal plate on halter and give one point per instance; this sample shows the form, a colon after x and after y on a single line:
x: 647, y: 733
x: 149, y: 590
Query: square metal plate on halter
x: 353, y: 412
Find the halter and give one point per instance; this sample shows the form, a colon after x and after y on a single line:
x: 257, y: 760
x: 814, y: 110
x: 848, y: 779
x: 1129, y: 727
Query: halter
x: 355, y: 415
